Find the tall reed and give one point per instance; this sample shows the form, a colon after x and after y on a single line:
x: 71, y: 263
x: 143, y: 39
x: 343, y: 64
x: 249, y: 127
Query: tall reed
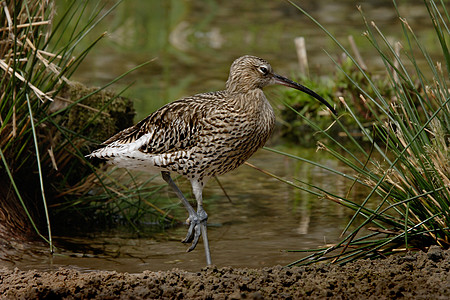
x: 407, y: 163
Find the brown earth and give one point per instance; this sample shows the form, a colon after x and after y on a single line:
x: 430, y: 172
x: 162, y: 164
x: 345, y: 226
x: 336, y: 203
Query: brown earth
x: 414, y: 275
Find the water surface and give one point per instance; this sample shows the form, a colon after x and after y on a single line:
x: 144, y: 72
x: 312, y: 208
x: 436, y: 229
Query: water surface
x: 264, y: 219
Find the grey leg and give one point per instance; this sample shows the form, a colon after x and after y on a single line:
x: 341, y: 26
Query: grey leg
x: 206, y: 243
x: 197, y: 188
x: 197, y: 220
x: 193, y: 218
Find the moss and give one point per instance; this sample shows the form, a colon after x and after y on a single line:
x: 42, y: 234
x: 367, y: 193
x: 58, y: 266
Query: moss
x: 87, y: 117
x: 99, y: 115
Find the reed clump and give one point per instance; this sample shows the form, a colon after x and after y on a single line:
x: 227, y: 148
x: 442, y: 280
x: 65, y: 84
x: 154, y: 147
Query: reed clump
x: 48, y: 123
x: 403, y: 157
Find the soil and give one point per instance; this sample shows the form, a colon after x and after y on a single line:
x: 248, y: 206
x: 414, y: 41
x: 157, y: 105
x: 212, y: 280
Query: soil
x: 414, y: 275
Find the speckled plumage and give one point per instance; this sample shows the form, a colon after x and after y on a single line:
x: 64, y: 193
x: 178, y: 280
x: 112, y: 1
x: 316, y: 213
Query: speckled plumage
x: 198, y: 137
x: 203, y: 135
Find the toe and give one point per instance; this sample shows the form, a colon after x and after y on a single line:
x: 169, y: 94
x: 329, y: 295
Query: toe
x: 196, y: 238
x: 192, y: 221
x: 190, y: 233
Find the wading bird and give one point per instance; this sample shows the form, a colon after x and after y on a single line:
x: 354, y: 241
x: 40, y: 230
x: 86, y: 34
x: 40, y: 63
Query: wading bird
x: 202, y: 136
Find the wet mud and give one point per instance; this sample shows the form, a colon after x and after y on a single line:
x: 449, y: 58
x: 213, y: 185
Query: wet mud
x: 413, y: 275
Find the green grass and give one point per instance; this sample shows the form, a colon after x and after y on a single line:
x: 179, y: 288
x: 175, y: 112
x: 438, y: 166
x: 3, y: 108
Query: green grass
x: 338, y: 84
x: 404, y: 155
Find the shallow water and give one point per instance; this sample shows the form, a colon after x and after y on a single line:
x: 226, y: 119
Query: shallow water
x: 195, y: 42
x: 265, y: 218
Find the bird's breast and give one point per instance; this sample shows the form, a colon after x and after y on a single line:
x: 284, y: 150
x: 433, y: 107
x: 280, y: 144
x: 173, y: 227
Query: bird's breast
x: 240, y: 127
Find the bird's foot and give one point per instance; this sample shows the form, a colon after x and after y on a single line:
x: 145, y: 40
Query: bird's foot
x: 195, y: 222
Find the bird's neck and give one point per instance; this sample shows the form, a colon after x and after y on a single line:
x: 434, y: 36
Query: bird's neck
x: 252, y: 103
x: 239, y: 85
x: 248, y: 99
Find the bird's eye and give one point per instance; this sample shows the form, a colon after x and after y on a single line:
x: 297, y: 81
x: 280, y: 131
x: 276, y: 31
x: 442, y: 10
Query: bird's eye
x: 263, y: 70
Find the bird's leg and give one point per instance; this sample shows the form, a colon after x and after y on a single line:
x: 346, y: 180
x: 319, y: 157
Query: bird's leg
x: 193, y: 219
x: 197, y: 220
x: 197, y: 188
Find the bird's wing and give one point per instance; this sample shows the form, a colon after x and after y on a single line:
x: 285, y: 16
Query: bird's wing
x: 173, y: 127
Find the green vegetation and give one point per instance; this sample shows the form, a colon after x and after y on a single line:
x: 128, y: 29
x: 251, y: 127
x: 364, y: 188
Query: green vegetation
x: 404, y: 153
x: 339, y: 84
x: 46, y: 122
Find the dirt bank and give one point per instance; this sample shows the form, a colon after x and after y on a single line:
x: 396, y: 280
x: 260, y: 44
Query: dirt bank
x: 414, y: 275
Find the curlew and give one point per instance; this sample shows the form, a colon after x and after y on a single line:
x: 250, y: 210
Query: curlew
x: 202, y: 136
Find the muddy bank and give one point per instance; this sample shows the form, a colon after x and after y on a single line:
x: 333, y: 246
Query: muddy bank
x: 414, y: 275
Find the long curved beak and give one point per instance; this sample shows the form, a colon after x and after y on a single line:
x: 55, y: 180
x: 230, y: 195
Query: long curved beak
x: 278, y: 79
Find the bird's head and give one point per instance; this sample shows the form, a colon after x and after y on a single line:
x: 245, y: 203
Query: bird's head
x: 248, y: 73
x: 251, y: 72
